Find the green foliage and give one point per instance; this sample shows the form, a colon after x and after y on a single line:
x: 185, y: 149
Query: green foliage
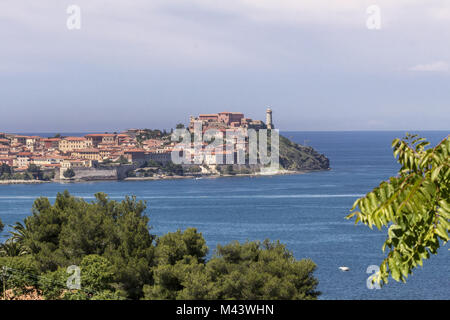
x: 414, y: 206
x: 194, y: 169
x: 118, y: 257
x: 12, y: 248
x: 5, y: 170
x: 173, y: 247
x: 53, y: 284
x: 252, y: 270
x: 255, y: 270
x: 35, y: 171
x: 296, y: 157
x: 122, y: 160
x: 131, y: 173
x: 97, y: 273
x: 28, y: 176
x: 97, y: 278
x: 150, y: 134
x: 229, y: 170
x: 62, y: 234
x: 176, y: 281
x: 153, y: 163
x: 18, y: 273
x: 245, y: 171
x: 69, y: 173
x: 48, y: 176
x: 172, y: 168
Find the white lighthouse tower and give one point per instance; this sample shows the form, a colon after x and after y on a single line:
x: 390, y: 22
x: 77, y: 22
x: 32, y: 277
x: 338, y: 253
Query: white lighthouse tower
x: 269, y: 122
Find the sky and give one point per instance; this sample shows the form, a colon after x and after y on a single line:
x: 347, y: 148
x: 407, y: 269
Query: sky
x: 320, y: 65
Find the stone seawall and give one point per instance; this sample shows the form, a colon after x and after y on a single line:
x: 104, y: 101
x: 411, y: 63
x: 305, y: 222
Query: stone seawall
x: 100, y: 173
x: 22, y: 181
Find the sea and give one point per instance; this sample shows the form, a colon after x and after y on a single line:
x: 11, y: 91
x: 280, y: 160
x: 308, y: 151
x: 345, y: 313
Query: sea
x: 306, y: 212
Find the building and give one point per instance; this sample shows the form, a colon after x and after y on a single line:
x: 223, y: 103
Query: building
x: 22, y: 160
x: 269, y: 122
x: 135, y: 155
x: 18, y: 139
x: 73, y: 143
x: 76, y: 163
x: 224, y: 120
x: 87, y: 154
x: 162, y: 157
x: 7, y: 160
x: 102, y: 138
x: 50, y: 143
x: 214, y: 117
x: 228, y: 118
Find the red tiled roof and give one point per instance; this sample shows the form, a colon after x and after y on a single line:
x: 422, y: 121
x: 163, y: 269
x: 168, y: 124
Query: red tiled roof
x: 86, y: 150
x: 101, y: 135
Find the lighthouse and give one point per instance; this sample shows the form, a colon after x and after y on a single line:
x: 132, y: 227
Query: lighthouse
x: 269, y: 122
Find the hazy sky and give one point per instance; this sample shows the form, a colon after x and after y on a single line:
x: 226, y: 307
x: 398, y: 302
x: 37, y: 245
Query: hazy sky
x: 152, y: 63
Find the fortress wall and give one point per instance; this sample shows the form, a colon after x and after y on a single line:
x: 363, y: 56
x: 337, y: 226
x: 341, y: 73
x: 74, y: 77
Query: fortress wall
x: 102, y: 173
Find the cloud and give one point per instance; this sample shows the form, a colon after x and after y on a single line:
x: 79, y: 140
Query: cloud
x: 438, y: 66
x: 204, y: 55
x: 223, y: 34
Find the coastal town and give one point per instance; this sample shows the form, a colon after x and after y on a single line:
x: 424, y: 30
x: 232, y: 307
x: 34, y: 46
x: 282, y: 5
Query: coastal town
x: 116, y: 155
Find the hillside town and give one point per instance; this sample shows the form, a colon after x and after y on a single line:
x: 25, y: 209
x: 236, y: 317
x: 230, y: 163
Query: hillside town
x: 23, y: 156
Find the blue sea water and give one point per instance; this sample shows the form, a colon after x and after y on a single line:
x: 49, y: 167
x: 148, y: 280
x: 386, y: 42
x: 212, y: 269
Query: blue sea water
x: 306, y: 212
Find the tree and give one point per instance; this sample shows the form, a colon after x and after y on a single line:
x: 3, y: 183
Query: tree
x: 97, y: 273
x: 172, y: 168
x: 119, y: 257
x: 12, y: 248
x: 173, y: 247
x: 122, y: 160
x: 17, y: 242
x: 5, y: 169
x: 35, y: 171
x: 96, y: 281
x: 152, y: 163
x: 252, y: 270
x: 229, y: 170
x: 1, y: 225
x: 33, y: 168
x: 256, y: 270
x: 49, y: 176
x: 69, y: 173
x: 177, y: 255
x: 414, y: 206
x: 64, y: 233
x: 180, y: 126
x: 194, y: 169
x: 19, y: 274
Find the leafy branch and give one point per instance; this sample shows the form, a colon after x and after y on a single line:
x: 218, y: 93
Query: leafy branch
x: 414, y: 206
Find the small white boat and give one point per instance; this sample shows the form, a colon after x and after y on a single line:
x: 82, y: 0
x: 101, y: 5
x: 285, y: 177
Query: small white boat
x: 344, y: 268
